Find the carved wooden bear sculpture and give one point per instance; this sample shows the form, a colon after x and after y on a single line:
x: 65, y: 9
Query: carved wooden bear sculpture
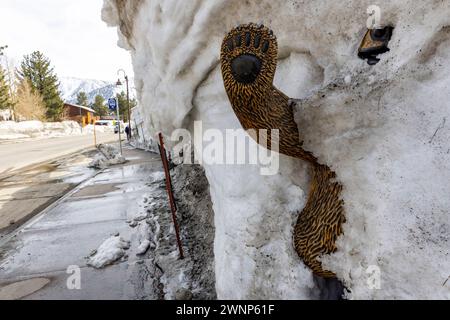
x: 249, y: 60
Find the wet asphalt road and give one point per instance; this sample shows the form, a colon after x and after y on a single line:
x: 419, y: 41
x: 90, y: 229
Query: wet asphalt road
x: 26, y: 192
x: 15, y: 155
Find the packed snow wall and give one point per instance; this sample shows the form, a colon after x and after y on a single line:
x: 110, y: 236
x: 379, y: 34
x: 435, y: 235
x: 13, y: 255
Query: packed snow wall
x: 384, y: 129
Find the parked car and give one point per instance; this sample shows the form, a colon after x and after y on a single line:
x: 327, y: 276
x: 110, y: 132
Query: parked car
x: 104, y: 123
x: 122, y: 128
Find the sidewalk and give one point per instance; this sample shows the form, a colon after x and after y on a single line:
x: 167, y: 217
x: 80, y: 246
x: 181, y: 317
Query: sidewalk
x: 34, y: 264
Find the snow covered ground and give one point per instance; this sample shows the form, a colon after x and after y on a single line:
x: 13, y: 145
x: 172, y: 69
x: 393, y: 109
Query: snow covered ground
x: 383, y: 129
x: 113, y: 249
x: 109, y: 155
x: 10, y: 130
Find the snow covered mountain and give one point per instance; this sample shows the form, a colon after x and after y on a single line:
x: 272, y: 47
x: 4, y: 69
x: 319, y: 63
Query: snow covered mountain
x: 70, y: 87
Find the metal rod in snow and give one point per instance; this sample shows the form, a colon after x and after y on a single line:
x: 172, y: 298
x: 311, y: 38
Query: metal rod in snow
x: 170, y: 193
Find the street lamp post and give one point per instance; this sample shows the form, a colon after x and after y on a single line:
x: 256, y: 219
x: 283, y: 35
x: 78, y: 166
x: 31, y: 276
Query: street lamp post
x: 128, y: 95
x: 118, y: 124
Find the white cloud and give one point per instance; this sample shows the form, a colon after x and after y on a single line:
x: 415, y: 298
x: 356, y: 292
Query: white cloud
x: 69, y: 32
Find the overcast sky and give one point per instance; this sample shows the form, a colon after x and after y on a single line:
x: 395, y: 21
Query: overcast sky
x: 69, y: 32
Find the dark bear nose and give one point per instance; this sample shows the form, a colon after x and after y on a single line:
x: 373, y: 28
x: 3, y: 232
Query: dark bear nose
x: 246, y: 68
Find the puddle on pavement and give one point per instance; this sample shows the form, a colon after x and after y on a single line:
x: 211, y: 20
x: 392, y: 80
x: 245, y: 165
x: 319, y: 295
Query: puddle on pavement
x: 130, y: 171
x: 97, y: 190
x: 66, y: 170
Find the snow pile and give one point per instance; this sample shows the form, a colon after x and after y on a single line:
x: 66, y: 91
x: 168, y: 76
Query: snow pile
x: 109, y: 252
x: 143, y: 143
x: 196, y: 217
x: 60, y: 129
x: 153, y: 222
x: 140, y: 139
x: 145, y: 217
x: 154, y: 238
x: 384, y: 130
x: 109, y: 156
x: 89, y: 129
x: 10, y: 130
x: 143, y: 247
x: 154, y: 206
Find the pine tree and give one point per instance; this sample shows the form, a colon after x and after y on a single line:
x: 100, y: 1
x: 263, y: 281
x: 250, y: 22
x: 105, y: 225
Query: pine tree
x: 37, y: 70
x: 99, y: 106
x: 82, y: 99
x: 5, y: 91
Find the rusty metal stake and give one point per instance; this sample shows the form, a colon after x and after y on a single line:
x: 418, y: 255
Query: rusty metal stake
x: 170, y: 193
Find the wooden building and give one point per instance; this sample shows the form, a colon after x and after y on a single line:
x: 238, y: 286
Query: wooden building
x: 82, y: 115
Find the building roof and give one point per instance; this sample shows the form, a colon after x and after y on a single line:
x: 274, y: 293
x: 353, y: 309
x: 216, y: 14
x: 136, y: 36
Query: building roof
x: 81, y: 107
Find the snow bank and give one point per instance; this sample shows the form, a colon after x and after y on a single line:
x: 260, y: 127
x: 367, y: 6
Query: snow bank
x: 109, y: 252
x: 145, y: 217
x: 196, y: 217
x: 28, y: 127
x: 140, y: 139
x: 154, y: 229
x: 154, y: 235
x: 384, y: 129
x: 89, y: 129
x: 10, y: 130
x: 64, y: 128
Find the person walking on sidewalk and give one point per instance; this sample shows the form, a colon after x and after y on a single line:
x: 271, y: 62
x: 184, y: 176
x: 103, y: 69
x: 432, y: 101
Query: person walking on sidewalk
x: 128, y: 132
